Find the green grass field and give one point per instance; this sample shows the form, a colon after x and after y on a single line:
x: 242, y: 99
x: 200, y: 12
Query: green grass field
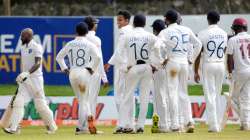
x: 67, y: 133
x: 67, y: 91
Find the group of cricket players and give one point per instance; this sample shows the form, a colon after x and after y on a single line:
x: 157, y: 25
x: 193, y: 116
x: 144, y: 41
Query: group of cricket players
x: 157, y: 62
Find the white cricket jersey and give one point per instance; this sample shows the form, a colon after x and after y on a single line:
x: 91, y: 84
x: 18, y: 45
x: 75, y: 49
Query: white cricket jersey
x: 114, y: 60
x: 239, y: 47
x: 214, y: 42
x: 91, y: 36
x: 139, y: 45
x: 178, y: 41
x: 28, y: 54
x: 79, y: 52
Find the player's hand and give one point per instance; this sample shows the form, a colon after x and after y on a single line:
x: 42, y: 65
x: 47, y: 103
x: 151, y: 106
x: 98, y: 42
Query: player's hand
x: 154, y: 69
x: 66, y: 71
x: 129, y: 67
x: 196, y: 77
x: 106, y: 84
x: 90, y: 70
x: 230, y: 76
x: 22, y: 77
x: 165, y: 62
x: 106, y: 67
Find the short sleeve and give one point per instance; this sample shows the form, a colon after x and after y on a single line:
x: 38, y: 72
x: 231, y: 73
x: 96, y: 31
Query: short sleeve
x: 38, y: 51
x: 230, y: 47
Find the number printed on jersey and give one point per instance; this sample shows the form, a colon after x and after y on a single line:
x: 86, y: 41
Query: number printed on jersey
x: 245, y: 50
x: 140, y: 50
x: 215, y: 48
x: 180, y: 40
x: 76, y: 57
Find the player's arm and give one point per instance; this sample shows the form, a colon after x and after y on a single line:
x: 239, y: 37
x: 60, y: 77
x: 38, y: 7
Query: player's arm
x: 96, y: 58
x: 37, y: 64
x: 60, y: 59
x: 196, y: 68
x: 103, y: 73
x: 230, y: 60
x: 197, y: 45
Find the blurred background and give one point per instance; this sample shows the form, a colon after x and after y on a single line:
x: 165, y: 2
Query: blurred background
x: 110, y: 7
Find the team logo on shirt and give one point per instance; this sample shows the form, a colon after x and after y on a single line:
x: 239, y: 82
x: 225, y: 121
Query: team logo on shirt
x: 30, y: 51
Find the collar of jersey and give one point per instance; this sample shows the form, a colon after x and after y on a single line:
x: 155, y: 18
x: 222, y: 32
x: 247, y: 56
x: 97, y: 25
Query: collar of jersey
x: 92, y: 32
x: 139, y: 28
x: 173, y: 24
x: 212, y: 26
x: 242, y: 33
x: 80, y: 37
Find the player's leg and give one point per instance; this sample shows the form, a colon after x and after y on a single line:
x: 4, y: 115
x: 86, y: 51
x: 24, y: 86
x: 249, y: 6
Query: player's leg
x: 160, y: 102
x: 132, y: 78
x: 94, y: 92
x: 185, y: 104
x: 119, y: 87
x: 219, y: 77
x: 41, y: 104
x: 145, y: 84
x: 210, y: 95
x: 245, y: 105
x: 172, y: 70
x: 18, y: 110
x: 80, y: 86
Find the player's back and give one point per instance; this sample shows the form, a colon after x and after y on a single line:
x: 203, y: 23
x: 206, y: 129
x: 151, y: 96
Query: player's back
x: 214, y: 42
x: 240, y: 46
x: 79, y: 52
x: 180, y: 35
x: 139, y: 44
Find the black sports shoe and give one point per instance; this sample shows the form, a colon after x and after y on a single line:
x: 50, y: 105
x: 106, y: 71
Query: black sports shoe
x: 128, y: 131
x: 118, y: 130
x: 140, y: 130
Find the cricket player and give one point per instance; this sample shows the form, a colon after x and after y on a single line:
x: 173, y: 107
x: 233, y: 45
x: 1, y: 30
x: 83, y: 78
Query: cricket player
x: 100, y: 73
x: 238, y: 53
x: 139, y: 47
x: 214, y: 42
x: 176, y: 64
x: 80, y: 70
x: 160, y: 123
x: 123, y: 19
x: 31, y: 66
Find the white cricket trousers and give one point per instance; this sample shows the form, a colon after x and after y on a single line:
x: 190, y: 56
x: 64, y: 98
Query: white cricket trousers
x: 119, y: 87
x: 142, y: 75
x: 94, y: 90
x: 32, y: 88
x: 79, y: 80
x: 242, y: 89
x: 179, y: 102
x: 160, y: 98
x: 213, y: 75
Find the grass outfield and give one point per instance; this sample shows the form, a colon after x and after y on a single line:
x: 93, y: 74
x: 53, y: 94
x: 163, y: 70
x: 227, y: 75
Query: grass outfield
x: 67, y: 133
x: 67, y: 91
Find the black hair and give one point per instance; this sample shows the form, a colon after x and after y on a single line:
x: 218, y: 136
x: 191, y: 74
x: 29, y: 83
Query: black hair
x: 171, y: 16
x: 139, y: 20
x: 238, y: 28
x: 213, y: 17
x: 90, y: 21
x: 81, y: 29
x: 126, y: 14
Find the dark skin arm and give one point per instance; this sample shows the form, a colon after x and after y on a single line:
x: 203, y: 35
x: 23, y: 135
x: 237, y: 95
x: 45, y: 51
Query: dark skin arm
x: 196, y: 68
x: 36, y: 65
x: 230, y: 63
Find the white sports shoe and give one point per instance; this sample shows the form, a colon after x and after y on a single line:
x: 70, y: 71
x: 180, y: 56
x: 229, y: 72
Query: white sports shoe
x: 9, y: 131
x: 51, y: 131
